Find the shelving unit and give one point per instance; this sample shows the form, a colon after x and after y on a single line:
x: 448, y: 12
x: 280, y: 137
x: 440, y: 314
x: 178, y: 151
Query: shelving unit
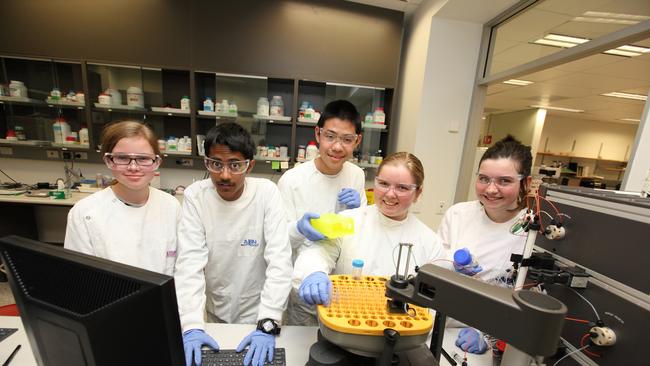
x: 162, y: 90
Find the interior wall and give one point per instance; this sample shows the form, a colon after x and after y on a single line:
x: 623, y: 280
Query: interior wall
x: 559, y: 134
x: 316, y: 39
x: 639, y: 166
x: 519, y: 124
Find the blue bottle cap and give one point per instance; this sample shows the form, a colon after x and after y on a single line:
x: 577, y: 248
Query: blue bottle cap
x: 462, y: 257
x: 358, y: 263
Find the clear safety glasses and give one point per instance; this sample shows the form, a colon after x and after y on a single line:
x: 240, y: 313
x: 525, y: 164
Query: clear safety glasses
x: 400, y: 189
x: 501, y: 182
x: 234, y: 167
x: 122, y: 161
x: 345, y: 140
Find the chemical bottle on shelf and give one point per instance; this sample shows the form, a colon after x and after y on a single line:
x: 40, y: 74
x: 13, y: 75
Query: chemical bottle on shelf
x: 303, y: 107
x: 232, y: 108
x: 369, y: 118
x: 333, y: 226
x: 309, y: 112
x: 263, y: 107
x: 277, y: 106
x: 83, y: 136
x: 61, y: 130
x: 185, y: 103
x: 301, y: 152
x: 312, y: 151
x: 55, y: 94
x: 379, y: 117
x: 208, y: 105
x: 357, y: 269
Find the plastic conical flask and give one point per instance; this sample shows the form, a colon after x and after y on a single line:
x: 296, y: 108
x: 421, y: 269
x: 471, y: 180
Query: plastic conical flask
x: 333, y: 226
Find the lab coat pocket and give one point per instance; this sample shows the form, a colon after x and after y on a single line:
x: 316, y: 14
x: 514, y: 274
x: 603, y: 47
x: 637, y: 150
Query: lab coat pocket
x: 249, y: 243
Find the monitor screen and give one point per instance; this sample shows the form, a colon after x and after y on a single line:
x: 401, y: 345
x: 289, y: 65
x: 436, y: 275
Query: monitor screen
x: 83, y: 310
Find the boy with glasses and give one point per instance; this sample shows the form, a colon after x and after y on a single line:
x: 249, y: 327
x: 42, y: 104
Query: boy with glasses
x: 323, y: 184
x: 234, y: 248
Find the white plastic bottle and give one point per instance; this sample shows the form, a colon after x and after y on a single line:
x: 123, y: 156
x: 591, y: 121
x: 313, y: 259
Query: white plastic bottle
x: 369, y: 118
x: 208, y: 105
x: 135, y: 97
x: 83, y: 136
x: 232, y: 108
x: 301, y: 152
x: 277, y: 106
x: 357, y: 269
x: 61, y: 130
x: 312, y: 151
x: 379, y: 117
x: 185, y: 103
x: 172, y: 144
x: 263, y: 107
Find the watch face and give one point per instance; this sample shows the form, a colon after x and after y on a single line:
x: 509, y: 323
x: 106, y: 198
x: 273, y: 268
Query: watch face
x: 268, y: 326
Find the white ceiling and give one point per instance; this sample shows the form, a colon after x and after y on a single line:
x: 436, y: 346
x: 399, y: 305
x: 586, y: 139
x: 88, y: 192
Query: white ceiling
x: 577, y: 84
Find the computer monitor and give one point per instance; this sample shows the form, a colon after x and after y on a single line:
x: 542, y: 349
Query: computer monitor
x: 83, y: 310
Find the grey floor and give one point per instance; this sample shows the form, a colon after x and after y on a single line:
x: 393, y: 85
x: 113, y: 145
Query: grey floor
x: 6, y: 297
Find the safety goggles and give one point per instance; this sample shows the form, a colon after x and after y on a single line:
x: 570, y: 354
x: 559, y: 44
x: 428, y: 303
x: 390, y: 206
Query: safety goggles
x: 501, y: 182
x: 345, y: 140
x: 400, y: 189
x: 234, y: 167
x: 121, y: 160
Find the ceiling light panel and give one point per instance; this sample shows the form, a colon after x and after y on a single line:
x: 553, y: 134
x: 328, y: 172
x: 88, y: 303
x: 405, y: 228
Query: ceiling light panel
x: 626, y: 96
x: 518, y: 82
x: 557, y: 108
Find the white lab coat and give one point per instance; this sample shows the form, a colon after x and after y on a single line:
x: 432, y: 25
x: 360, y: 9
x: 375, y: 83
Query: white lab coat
x: 305, y: 189
x: 144, y: 237
x: 235, y: 252
x: 466, y: 225
x: 375, y: 240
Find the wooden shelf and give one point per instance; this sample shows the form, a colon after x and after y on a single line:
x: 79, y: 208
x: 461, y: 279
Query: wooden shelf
x: 580, y: 157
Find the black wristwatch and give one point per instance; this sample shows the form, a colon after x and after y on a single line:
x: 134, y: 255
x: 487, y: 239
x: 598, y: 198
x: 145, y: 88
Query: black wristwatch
x: 268, y: 326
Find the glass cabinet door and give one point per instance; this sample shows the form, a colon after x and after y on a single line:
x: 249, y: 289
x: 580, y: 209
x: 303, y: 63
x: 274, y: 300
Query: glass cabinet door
x: 371, y: 103
x: 261, y: 105
x: 168, y: 108
x: 42, y: 103
x: 116, y: 94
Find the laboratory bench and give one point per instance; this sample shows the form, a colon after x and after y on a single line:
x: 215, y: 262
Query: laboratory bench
x: 295, y: 339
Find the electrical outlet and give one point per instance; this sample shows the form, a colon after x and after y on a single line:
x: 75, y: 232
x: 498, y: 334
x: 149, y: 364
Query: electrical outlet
x: 185, y: 162
x: 6, y: 150
x: 81, y: 155
x: 440, y: 209
x: 52, y: 154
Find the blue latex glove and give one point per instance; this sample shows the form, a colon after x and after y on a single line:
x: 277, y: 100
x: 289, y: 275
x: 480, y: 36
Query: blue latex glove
x: 471, y: 341
x: 467, y: 270
x: 262, y: 346
x: 305, y: 228
x: 315, y: 289
x: 193, y: 339
x: 350, y: 198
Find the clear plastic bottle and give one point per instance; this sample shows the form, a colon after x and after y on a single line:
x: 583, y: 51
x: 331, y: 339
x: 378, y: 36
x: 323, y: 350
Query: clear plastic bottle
x: 232, y: 107
x: 369, y: 118
x: 357, y: 269
x: 277, y: 106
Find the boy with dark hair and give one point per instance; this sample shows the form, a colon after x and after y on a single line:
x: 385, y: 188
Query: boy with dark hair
x: 323, y: 184
x: 233, y: 247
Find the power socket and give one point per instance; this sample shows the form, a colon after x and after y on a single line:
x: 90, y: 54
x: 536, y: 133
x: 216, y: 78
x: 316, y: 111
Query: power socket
x: 440, y: 209
x: 52, y: 154
x: 80, y: 155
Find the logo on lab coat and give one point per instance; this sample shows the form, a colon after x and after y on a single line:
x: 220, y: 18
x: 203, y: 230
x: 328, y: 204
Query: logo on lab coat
x: 250, y: 243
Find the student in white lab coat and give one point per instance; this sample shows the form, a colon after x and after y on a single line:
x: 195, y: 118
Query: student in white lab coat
x: 328, y: 183
x: 485, y: 226
x: 128, y: 222
x: 233, y: 247
x: 378, y: 230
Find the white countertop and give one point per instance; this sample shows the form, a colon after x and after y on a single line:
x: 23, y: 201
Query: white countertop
x: 295, y: 340
x: 22, y: 198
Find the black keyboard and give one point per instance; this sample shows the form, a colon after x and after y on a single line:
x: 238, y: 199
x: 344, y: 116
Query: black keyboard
x: 228, y: 357
x: 6, y: 332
